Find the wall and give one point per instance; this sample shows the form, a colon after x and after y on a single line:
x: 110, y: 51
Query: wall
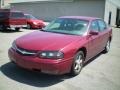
x: 5, y: 3
x: 115, y: 2
x: 51, y: 10
x: 0, y: 3
x: 111, y: 6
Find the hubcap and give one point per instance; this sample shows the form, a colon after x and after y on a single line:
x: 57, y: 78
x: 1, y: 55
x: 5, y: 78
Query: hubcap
x: 78, y: 63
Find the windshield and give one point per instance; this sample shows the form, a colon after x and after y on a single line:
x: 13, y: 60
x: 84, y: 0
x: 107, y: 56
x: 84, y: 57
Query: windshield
x: 68, y: 26
x: 30, y: 17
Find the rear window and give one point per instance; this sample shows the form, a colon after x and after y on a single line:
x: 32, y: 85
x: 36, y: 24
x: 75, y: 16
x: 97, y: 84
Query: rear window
x: 3, y: 14
x: 17, y: 15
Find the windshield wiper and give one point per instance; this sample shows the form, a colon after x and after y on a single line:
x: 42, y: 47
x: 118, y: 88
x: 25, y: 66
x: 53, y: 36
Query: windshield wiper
x: 56, y: 32
x: 61, y: 33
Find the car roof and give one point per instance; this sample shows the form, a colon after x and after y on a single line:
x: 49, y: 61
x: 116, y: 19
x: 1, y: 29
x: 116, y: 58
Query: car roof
x: 81, y: 17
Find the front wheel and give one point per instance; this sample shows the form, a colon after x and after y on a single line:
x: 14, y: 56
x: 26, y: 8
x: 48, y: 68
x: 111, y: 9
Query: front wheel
x: 77, y: 63
x: 28, y: 26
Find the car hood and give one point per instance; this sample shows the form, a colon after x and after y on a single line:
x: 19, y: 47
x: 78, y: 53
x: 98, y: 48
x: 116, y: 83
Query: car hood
x: 40, y: 40
x: 37, y: 21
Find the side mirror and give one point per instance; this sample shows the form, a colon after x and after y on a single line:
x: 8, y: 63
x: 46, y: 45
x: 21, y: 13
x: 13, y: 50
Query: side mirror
x: 93, y: 32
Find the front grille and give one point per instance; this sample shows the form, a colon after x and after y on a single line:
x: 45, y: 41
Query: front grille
x: 25, y: 52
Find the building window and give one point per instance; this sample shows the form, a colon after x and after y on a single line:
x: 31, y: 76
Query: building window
x: 109, y: 19
x: 118, y: 17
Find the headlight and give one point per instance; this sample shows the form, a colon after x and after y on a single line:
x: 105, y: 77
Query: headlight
x: 51, y: 54
x: 35, y: 23
x: 14, y: 46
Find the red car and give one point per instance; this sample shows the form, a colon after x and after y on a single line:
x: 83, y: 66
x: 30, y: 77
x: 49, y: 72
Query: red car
x: 34, y: 23
x: 12, y: 19
x: 64, y: 46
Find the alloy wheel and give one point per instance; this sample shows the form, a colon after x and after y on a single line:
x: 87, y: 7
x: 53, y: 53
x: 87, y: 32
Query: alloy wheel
x: 77, y: 63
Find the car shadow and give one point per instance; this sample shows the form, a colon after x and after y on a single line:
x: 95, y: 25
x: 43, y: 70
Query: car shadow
x: 9, y: 31
x: 92, y: 59
x: 29, y: 77
x: 31, y: 29
x: 34, y: 78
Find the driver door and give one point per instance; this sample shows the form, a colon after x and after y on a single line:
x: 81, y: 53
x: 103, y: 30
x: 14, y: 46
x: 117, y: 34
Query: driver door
x: 94, y: 40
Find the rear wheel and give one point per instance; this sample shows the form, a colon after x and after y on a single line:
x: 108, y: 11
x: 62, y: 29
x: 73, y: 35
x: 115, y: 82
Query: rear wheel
x: 17, y: 29
x: 2, y: 28
x: 117, y: 26
x: 77, y: 63
x: 107, y: 47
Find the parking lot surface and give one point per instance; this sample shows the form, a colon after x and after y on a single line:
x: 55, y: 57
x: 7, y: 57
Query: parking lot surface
x: 102, y: 73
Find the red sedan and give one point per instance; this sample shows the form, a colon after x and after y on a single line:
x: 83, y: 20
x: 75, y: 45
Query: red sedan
x: 34, y: 23
x: 64, y: 46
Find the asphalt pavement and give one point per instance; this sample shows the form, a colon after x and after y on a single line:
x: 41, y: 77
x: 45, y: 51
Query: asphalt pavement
x: 101, y: 73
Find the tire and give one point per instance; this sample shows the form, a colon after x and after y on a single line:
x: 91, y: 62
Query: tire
x: 107, y: 47
x: 28, y: 26
x: 77, y: 63
x: 17, y: 29
x: 117, y: 26
x: 2, y: 28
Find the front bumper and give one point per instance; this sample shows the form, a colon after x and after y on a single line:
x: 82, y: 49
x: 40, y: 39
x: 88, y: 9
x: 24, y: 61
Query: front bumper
x: 38, y: 26
x: 56, y: 67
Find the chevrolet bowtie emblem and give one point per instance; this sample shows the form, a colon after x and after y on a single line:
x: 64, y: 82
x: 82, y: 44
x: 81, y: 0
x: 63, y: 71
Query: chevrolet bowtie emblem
x: 22, y: 51
x: 25, y: 52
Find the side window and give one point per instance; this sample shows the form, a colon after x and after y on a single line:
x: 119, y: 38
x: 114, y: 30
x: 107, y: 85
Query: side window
x: 94, y: 26
x: 102, y: 25
x: 17, y: 15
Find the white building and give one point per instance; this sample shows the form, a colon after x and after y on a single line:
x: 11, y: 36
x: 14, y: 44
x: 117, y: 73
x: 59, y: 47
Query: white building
x: 0, y: 3
x: 5, y: 3
x: 50, y: 9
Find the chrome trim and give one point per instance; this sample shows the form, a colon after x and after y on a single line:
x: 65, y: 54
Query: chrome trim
x: 24, y: 52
